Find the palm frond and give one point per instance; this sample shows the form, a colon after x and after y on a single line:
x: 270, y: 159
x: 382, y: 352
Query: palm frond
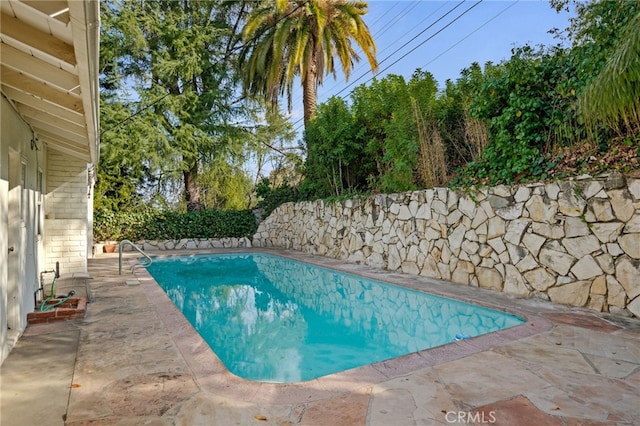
x: 614, y: 96
x: 295, y: 37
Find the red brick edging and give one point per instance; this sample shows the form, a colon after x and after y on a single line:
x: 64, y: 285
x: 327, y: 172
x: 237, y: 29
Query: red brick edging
x: 74, y: 308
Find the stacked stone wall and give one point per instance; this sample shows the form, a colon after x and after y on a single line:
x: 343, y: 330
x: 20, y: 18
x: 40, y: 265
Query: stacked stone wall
x: 191, y: 243
x: 574, y: 242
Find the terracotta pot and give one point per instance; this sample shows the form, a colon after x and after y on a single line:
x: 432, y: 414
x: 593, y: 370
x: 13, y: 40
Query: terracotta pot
x: 110, y: 248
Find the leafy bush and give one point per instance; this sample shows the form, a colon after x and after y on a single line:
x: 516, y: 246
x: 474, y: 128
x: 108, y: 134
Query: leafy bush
x: 273, y: 197
x: 383, y: 114
x: 150, y: 224
x: 336, y: 162
x: 527, y: 103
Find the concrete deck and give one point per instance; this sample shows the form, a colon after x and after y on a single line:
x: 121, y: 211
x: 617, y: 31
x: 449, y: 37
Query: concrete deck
x: 135, y: 360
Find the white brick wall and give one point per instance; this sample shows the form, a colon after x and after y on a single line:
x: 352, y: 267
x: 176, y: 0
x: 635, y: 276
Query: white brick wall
x: 66, y: 206
x: 65, y: 242
x: 66, y: 187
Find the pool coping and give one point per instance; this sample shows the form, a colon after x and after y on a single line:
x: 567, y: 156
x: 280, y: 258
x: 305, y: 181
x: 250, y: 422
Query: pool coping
x: 211, y: 374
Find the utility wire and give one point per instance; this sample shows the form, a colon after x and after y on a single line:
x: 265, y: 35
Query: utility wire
x: 380, y: 32
x: 388, y: 10
x: 412, y: 39
x: 399, y: 48
x: 414, y: 27
x: 391, y: 54
x: 470, y: 34
x: 396, y: 18
x: 407, y: 53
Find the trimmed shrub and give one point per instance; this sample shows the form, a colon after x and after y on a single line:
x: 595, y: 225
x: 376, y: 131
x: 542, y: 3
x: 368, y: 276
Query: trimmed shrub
x: 164, y: 225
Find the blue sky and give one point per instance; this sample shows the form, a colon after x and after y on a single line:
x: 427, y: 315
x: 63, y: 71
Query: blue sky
x: 486, y: 32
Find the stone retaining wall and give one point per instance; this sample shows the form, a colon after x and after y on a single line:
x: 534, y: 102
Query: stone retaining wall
x: 575, y: 242
x: 191, y: 243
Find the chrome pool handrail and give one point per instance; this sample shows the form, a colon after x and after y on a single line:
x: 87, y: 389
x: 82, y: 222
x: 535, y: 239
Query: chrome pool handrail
x: 122, y: 243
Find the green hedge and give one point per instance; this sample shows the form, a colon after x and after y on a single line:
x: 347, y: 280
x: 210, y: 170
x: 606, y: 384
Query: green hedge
x: 167, y: 225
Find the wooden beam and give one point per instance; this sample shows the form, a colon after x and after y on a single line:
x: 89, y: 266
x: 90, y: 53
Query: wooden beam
x: 48, y: 137
x: 40, y: 125
x: 35, y: 116
x: 27, y: 84
x: 38, y: 40
x: 26, y: 99
x: 41, y: 70
x: 51, y: 7
x: 68, y: 151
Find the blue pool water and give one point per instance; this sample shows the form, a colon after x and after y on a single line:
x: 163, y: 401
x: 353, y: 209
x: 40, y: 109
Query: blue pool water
x: 273, y: 319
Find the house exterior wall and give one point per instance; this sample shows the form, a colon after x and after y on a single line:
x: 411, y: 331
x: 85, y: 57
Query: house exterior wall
x: 20, y: 243
x: 49, y: 111
x: 4, y: 229
x: 34, y: 181
x: 67, y: 214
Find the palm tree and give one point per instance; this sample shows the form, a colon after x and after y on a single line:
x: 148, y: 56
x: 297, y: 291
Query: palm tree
x: 614, y: 95
x: 287, y: 38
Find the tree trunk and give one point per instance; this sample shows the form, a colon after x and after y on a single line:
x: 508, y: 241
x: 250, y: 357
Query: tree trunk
x: 310, y: 90
x: 191, y: 188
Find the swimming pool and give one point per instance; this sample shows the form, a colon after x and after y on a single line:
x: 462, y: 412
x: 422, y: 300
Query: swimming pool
x: 273, y: 319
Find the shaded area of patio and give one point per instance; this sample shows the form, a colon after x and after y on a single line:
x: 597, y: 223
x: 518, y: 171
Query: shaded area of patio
x: 134, y: 360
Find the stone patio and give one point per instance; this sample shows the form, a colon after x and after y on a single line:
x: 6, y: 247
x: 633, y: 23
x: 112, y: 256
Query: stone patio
x: 139, y: 362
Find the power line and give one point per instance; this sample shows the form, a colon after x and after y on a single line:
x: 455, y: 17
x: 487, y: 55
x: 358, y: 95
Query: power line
x: 412, y: 39
x: 396, y: 18
x: 471, y: 33
x: 429, y: 38
x: 380, y: 17
x: 382, y: 31
x: 415, y: 26
x: 407, y: 53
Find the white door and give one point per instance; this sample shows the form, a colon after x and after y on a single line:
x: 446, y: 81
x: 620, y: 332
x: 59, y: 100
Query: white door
x: 16, y: 249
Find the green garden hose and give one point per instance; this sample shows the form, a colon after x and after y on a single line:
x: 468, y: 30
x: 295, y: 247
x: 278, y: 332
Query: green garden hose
x: 44, y: 307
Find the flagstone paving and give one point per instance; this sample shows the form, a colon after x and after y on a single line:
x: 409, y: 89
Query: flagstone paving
x: 138, y: 362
